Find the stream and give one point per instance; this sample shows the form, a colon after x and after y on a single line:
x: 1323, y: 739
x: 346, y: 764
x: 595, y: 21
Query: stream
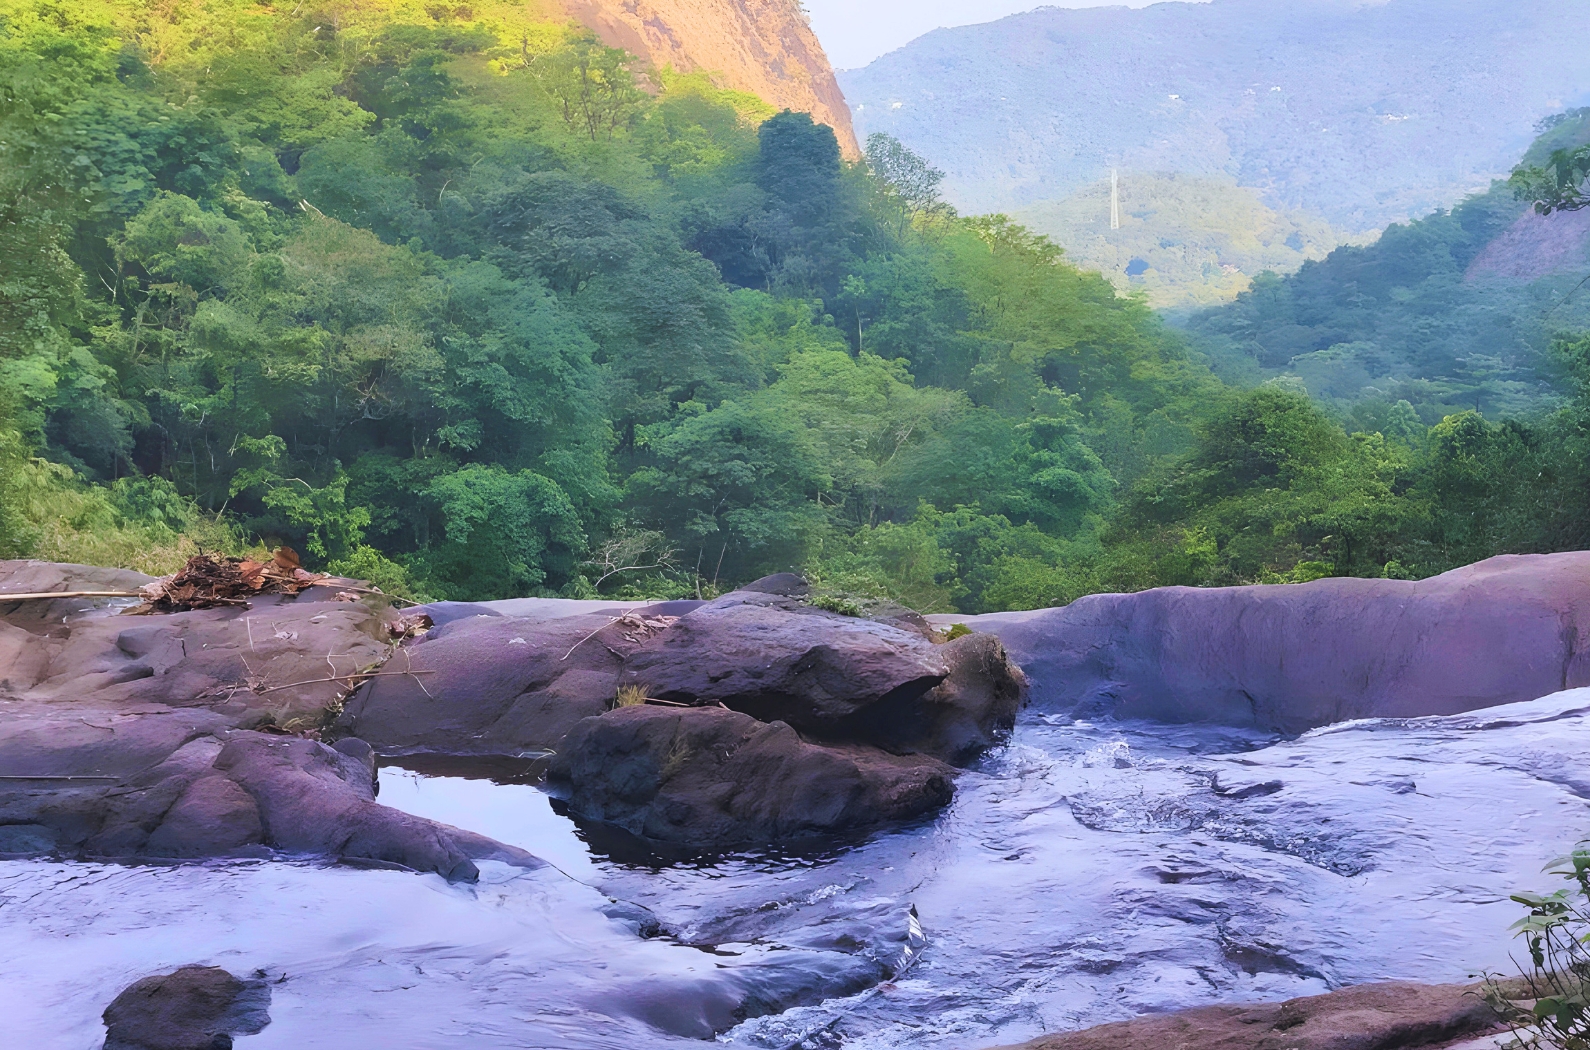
x: 1084, y: 873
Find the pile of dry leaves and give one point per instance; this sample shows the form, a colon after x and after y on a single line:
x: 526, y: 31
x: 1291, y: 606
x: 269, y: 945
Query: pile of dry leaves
x: 207, y: 582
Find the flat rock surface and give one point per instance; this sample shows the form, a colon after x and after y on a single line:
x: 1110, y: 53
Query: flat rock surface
x: 1295, y: 656
x: 490, y: 685
x: 134, y: 736
x: 1389, y: 1016
x: 499, y: 684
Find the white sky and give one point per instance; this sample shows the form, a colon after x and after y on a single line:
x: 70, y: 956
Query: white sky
x: 854, y: 32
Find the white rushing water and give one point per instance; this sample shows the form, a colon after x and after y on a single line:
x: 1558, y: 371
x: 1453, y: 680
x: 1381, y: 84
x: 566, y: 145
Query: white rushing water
x: 1085, y: 873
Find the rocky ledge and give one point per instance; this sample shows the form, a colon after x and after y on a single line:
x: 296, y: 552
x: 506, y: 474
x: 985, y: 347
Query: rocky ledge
x: 192, y: 734
x: 246, y: 730
x: 756, y: 719
x: 1389, y: 1016
x: 1296, y: 657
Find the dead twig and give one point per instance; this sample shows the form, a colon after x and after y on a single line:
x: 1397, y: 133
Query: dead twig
x: 366, y: 674
x: 588, y: 637
x: 408, y: 658
x: 46, y: 595
x: 346, y: 584
x: 42, y: 776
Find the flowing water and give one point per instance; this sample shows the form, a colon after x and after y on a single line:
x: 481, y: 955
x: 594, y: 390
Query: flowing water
x: 1085, y: 873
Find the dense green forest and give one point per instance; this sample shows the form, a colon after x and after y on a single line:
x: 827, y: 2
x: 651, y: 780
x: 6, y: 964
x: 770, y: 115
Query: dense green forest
x: 474, y: 306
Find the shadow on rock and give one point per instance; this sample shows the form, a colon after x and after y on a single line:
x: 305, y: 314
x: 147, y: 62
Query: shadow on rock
x: 713, y: 780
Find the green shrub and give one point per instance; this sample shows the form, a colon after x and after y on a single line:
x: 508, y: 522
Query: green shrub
x: 836, y: 603
x: 1551, y: 1006
x: 367, y: 563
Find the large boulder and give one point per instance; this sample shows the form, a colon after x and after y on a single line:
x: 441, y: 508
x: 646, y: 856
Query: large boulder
x: 777, y: 659
x: 193, y: 1008
x: 708, y: 779
x: 492, y: 684
x: 1296, y: 656
x: 47, y: 577
x: 1390, y: 1016
x: 958, y: 719
x: 140, y: 736
x: 134, y: 736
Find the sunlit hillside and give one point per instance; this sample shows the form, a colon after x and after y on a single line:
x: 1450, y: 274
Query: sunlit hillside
x: 1182, y: 241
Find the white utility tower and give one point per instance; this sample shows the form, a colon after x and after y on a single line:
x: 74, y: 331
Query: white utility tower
x: 1115, y: 199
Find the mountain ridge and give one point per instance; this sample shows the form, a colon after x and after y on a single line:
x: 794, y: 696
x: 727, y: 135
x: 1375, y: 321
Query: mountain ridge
x: 1362, y: 115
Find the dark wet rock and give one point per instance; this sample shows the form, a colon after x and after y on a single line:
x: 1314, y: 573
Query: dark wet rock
x: 1225, y: 788
x: 690, y: 1008
x: 505, y: 685
x: 1390, y: 1016
x: 1297, y: 656
x: 194, y: 1008
x: 640, y: 919
x: 766, y: 654
x: 176, y: 784
x: 702, y: 1009
x: 957, y: 720
x: 711, y: 779
x: 490, y: 685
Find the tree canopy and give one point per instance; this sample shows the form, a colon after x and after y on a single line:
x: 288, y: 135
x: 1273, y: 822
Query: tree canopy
x: 470, y: 304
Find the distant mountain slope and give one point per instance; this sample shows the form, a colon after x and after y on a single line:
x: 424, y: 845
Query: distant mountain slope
x: 1362, y: 113
x: 764, y: 47
x: 1452, y: 311
x: 1184, y: 241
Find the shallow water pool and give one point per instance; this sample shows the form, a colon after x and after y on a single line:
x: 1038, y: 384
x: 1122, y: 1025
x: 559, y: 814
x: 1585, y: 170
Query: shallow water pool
x: 1085, y: 873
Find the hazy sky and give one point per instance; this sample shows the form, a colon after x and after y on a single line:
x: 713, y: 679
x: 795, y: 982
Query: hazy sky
x: 854, y: 32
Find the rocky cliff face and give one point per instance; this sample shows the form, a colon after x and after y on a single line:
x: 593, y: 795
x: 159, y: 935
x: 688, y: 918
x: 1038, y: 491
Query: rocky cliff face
x: 761, y: 46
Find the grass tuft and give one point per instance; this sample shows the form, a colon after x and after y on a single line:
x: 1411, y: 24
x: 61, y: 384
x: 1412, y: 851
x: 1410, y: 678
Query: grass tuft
x: 631, y: 696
